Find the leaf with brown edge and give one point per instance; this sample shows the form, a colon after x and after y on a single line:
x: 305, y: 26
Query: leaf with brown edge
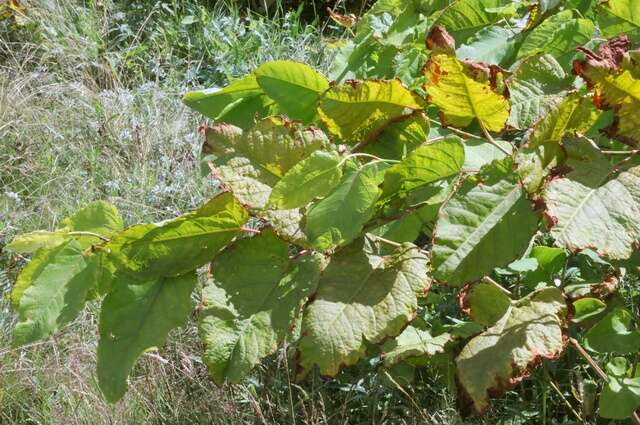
x: 615, y: 81
x: 465, y: 92
x: 531, y: 330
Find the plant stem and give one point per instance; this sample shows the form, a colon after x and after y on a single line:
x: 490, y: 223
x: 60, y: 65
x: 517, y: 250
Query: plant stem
x: 601, y: 373
x: 564, y: 399
x: 493, y: 142
x: 473, y: 136
x: 94, y: 235
x: 633, y: 152
x: 355, y: 155
x: 249, y: 230
x: 392, y: 243
x: 490, y: 281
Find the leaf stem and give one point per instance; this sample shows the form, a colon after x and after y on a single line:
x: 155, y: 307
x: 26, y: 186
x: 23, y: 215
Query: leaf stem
x: 601, y: 373
x: 490, y: 281
x: 632, y: 152
x: 474, y: 136
x: 83, y: 233
x: 491, y: 140
x: 249, y: 230
x: 354, y: 155
x: 392, y: 243
x: 458, y: 131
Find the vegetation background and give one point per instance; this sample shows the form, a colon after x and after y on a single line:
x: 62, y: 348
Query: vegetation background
x: 90, y: 109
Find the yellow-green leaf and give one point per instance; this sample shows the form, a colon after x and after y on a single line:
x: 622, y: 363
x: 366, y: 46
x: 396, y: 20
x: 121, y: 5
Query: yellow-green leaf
x: 462, y: 98
x: 358, y: 110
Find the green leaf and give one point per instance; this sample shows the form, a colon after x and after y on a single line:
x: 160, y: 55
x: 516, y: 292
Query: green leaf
x: 424, y: 165
x: 28, y: 243
x: 460, y: 97
x: 588, y: 209
x: 414, y: 342
x: 400, y: 138
x: 485, y: 303
x: 359, y: 110
x: 530, y: 330
x: 617, y: 17
x: 551, y: 263
x: 288, y: 224
x: 587, y: 308
x: 360, y: 297
x: 478, y: 153
x: 252, y: 162
x: 464, y: 18
x: 180, y: 245
x: 558, y: 36
x: 313, y: 177
x: 475, y: 232
x: 493, y: 45
x: 574, y: 114
x: 620, y: 397
x: 100, y: 218
x: 50, y: 292
x: 534, y: 165
x: 240, y: 103
x: 135, y: 317
x: 535, y: 86
x: 613, y: 334
x: 339, y: 218
x: 254, y: 296
x: 296, y: 87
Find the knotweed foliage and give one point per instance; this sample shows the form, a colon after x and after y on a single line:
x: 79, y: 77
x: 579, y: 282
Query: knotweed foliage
x: 475, y: 151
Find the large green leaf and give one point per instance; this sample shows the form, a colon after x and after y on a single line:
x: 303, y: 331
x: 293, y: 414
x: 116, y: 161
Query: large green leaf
x: 360, y: 297
x: 461, y: 98
x: 339, y: 218
x: 575, y: 114
x: 485, y: 303
x: 311, y: 178
x: 551, y: 262
x: 617, y: 17
x: 99, y: 218
x: 614, y: 334
x: 180, y: 245
x: 414, y: 342
x: 620, y: 397
x: 135, y: 317
x: 587, y: 308
x: 255, y: 293
x: 536, y: 85
x: 51, y: 291
x: 464, y: 18
x: 250, y: 163
x: 400, y: 138
x: 530, y: 330
x: 296, y: 87
x: 535, y: 164
x: 494, y: 45
x: 475, y: 231
x: 590, y: 209
x: 426, y: 164
x: 558, y: 36
x: 357, y: 111
x: 240, y: 103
